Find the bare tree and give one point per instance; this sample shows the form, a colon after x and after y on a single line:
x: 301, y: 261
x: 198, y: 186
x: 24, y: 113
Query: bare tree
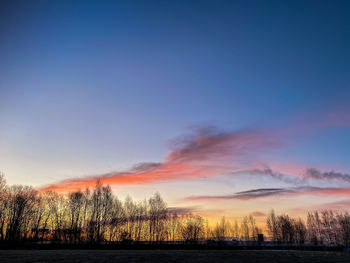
x: 157, y: 215
x: 192, y: 229
x: 20, y: 206
x: 3, y: 205
x: 271, y: 224
x: 245, y: 229
x: 222, y: 229
x: 329, y: 225
x: 236, y: 230
x: 75, y: 205
x: 117, y: 219
x: 344, y: 227
x: 174, y: 224
x: 300, y: 231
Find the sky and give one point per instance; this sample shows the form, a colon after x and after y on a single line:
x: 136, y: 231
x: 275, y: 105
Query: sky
x: 223, y: 107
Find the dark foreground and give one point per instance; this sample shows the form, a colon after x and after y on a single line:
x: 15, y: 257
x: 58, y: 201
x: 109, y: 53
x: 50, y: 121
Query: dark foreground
x: 235, y: 256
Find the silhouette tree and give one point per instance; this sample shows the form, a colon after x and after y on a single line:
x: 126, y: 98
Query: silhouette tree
x: 192, y: 229
x: 271, y: 224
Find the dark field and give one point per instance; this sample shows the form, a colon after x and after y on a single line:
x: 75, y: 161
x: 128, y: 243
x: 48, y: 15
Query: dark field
x: 170, y: 256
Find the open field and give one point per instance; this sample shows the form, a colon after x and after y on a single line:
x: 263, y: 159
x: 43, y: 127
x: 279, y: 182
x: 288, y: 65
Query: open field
x: 170, y: 256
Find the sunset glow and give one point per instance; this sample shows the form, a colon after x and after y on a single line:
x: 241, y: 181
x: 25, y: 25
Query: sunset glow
x: 225, y: 108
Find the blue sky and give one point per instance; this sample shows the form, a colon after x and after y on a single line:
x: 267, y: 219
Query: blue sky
x: 90, y: 87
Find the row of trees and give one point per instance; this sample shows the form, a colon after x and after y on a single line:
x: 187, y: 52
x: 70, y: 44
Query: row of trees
x: 246, y: 230
x: 320, y: 228
x: 97, y: 215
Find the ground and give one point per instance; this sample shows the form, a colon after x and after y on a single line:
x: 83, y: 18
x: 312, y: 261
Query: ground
x: 190, y: 256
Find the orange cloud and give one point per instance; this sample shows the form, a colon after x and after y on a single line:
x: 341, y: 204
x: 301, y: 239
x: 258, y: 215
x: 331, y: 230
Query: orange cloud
x: 206, y: 153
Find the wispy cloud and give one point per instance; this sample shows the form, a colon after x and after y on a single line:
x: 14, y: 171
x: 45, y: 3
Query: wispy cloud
x: 183, y: 210
x: 209, y: 144
x: 297, y: 178
x: 245, y: 195
x: 269, y: 192
x: 313, y: 173
x: 264, y: 170
x: 207, y: 152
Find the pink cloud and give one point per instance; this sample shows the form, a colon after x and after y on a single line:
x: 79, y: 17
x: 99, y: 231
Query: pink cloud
x: 206, y: 153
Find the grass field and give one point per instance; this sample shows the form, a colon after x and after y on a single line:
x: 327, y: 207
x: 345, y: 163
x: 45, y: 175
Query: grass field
x: 170, y: 256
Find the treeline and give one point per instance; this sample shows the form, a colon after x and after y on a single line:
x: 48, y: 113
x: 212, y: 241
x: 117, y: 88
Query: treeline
x: 320, y: 228
x: 97, y: 216
x: 92, y: 215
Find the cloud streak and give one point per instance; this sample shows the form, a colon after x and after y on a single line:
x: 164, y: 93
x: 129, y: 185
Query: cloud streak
x: 272, y: 192
x: 180, y: 211
x: 313, y: 173
x: 207, y: 152
x: 299, y: 178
